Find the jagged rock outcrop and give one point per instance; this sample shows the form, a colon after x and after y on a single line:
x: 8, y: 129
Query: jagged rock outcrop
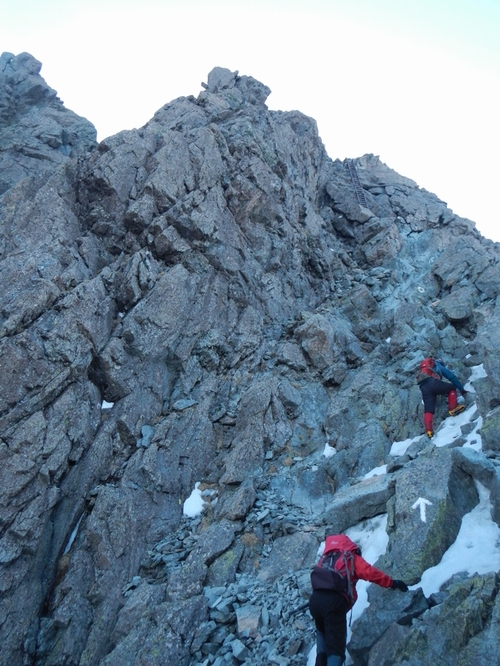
x: 462, y: 627
x: 37, y: 132
x: 205, y: 300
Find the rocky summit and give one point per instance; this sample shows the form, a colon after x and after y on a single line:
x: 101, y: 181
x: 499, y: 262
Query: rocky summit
x: 206, y: 306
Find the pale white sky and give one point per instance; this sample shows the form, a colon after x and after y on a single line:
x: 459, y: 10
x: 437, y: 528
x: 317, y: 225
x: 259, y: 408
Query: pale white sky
x: 415, y: 81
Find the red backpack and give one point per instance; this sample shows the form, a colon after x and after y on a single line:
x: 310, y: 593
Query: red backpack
x: 335, y: 570
x: 426, y: 368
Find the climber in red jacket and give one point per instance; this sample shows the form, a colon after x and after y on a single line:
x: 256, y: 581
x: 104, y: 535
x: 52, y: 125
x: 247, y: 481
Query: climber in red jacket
x: 329, y: 607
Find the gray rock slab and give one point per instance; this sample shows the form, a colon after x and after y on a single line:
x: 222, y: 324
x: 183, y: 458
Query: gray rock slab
x: 432, y: 496
x: 363, y: 500
x: 289, y: 553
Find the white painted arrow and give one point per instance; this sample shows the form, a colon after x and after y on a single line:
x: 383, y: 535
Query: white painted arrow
x: 421, y: 502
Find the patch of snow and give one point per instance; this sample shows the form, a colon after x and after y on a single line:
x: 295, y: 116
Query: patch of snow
x: 400, y: 448
x: 376, y: 471
x: 478, y: 372
x: 73, y: 536
x: 329, y: 451
x: 451, y: 428
x: 475, y: 550
x: 194, y: 504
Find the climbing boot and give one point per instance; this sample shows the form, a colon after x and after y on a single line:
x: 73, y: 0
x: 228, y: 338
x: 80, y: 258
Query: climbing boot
x: 457, y: 410
x: 429, y: 434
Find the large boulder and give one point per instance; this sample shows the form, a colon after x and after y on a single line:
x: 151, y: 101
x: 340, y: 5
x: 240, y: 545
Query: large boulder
x: 432, y: 496
x: 461, y: 627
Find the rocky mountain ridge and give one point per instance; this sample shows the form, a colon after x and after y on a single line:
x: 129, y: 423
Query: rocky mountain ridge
x: 207, y: 299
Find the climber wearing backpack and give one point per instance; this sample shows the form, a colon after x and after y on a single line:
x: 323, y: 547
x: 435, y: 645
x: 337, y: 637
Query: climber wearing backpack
x: 333, y: 581
x: 431, y: 385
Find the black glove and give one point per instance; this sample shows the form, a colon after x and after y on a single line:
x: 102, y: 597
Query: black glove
x: 464, y: 393
x: 399, y: 585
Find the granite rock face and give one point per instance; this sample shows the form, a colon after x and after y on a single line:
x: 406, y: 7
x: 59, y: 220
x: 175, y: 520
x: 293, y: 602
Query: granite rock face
x: 208, y: 299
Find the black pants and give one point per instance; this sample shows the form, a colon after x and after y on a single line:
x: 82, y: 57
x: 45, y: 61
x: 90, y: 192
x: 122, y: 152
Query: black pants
x: 430, y: 389
x: 329, y: 610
